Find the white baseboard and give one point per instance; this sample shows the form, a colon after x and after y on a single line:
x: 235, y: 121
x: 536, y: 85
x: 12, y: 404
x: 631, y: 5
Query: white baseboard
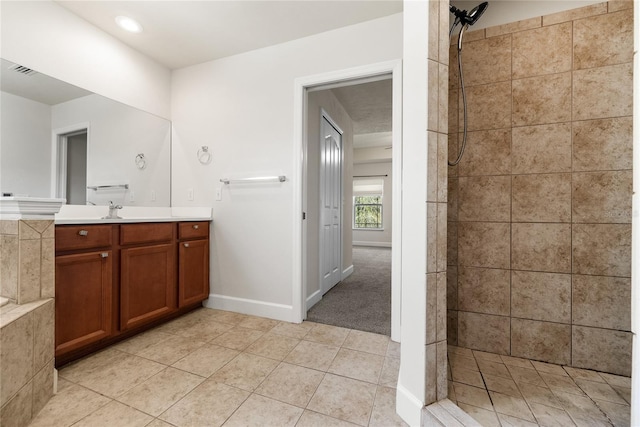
x: 252, y: 307
x: 314, y: 298
x: 347, y: 272
x: 376, y: 244
x: 408, y: 407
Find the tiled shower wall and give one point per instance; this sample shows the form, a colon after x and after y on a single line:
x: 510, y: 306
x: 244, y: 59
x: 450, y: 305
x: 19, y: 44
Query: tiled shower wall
x: 539, y: 214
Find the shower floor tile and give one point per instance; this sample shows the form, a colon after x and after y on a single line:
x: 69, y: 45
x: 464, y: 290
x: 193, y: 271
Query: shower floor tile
x: 512, y: 391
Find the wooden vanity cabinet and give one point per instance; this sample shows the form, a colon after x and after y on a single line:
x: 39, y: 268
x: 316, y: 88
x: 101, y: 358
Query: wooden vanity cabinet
x: 84, y: 287
x: 115, y: 280
x: 193, y: 265
x: 147, y: 273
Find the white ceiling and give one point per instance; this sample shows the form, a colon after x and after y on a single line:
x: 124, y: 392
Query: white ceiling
x: 182, y: 33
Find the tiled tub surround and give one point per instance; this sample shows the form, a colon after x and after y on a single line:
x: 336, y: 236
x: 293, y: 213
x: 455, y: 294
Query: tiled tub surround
x: 539, y: 214
x: 213, y: 368
x: 27, y: 322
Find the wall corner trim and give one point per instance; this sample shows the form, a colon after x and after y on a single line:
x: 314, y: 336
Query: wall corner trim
x: 347, y: 272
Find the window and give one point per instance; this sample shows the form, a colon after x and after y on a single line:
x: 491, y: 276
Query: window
x: 367, y: 204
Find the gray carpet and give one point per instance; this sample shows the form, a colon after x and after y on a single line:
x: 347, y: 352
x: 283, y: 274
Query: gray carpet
x: 363, y: 300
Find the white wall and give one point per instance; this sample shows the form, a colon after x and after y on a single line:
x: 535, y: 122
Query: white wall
x: 377, y: 237
x: 47, y: 38
x: 326, y: 100
x: 25, y: 146
x: 242, y: 108
x: 117, y: 134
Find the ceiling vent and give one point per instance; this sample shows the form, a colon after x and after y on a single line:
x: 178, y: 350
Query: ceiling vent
x: 22, y: 70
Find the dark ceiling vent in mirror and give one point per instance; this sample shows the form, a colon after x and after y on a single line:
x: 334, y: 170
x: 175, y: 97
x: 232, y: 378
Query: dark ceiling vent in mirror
x: 22, y: 70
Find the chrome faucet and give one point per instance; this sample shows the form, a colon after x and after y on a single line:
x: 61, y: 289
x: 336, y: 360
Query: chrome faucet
x: 113, y: 211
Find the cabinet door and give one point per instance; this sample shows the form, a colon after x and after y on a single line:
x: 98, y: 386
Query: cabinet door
x: 147, y: 284
x: 83, y: 299
x: 194, y: 271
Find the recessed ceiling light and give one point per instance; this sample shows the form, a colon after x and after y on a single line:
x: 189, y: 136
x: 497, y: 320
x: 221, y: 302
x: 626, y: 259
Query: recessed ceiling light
x: 128, y: 24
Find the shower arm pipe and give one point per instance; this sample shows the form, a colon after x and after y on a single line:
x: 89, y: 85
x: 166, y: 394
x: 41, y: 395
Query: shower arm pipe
x: 464, y: 97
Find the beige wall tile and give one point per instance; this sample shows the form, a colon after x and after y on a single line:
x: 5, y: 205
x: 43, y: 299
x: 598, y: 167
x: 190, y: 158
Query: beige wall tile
x: 602, y: 197
x: 443, y: 142
x: 602, y: 350
x: 452, y: 243
x: 604, y: 144
x: 545, y: 50
x: 9, y: 227
x: 483, y: 332
x: 18, y: 411
x: 441, y: 239
x: 443, y: 34
x: 43, y: 335
x: 27, y: 231
x: 469, y: 36
x: 432, y: 237
x: 490, y: 60
x: 38, y: 225
x: 542, y: 148
x: 591, y: 49
x: 16, y: 357
x: 441, y: 307
x: 441, y: 367
x: 454, y: 77
x: 602, y: 92
x: 488, y: 107
x: 433, y: 40
x: 432, y: 304
x: 484, y: 290
x: 541, y: 198
x: 28, y: 271
x: 615, y: 5
x: 443, y: 98
x: 452, y: 287
x: 452, y: 327
x: 452, y: 154
x: 431, y: 386
x: 541, y: 296
x: 47, y: 269
x: 513, y: 27
x: 484, y: 244
x: 50, y: 230
x: 433, y: 83
x: 550, y: 342
x: 541, y: 247
x: 602, y: 249
x: 432, y: 166
x: 487, y: 153
x: 484, y: 198
x: 601, y: 301
x: 542, y: 100
x: 9, y: 270
x: 452, y: 199
x: 452, y: 111
x: 43, y: 387
x: 568, y: 15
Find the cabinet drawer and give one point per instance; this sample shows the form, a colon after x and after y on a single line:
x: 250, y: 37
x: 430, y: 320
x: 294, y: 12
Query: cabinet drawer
x: 131, y: 234
x: 193, y: 230
x: 72, y: 237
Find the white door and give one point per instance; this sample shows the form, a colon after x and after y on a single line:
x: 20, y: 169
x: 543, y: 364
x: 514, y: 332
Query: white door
x: 330, y: 205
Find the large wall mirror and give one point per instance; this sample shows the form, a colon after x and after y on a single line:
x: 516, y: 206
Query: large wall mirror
x: 57, y: 140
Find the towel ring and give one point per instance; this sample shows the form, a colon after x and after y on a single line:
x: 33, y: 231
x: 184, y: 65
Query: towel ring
x: 204, y: 156
x: 141, y: 161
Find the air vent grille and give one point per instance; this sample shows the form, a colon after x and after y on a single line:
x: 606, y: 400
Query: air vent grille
x: 22, y: 70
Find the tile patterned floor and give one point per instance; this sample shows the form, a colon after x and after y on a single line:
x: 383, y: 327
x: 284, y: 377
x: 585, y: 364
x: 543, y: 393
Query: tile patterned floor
x: 213, y: 368
x: 507, y: 391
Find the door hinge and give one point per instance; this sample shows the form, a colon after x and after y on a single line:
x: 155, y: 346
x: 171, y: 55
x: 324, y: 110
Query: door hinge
x: 304, y: 215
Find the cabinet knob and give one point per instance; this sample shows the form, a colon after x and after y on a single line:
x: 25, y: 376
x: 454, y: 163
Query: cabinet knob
x: 104, y: 255
x: 186, y: 245
x: 195, y: 227
x: 83, y: 233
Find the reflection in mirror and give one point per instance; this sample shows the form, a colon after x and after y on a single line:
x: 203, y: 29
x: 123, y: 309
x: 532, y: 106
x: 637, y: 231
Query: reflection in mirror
x: 57, y: 140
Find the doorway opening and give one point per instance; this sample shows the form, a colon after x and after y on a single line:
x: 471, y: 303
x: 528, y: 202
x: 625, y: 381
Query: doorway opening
x: 329, y: 88
x: 69, y: 168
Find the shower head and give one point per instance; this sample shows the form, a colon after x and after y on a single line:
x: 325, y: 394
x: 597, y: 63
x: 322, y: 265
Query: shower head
x: 469, y: 18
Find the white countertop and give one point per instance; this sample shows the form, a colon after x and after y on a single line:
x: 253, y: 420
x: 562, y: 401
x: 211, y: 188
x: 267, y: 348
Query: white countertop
x: 78, y: 214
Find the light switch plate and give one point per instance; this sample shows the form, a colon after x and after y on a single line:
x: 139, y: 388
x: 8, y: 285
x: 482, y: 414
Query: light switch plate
x: 219, y: 194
